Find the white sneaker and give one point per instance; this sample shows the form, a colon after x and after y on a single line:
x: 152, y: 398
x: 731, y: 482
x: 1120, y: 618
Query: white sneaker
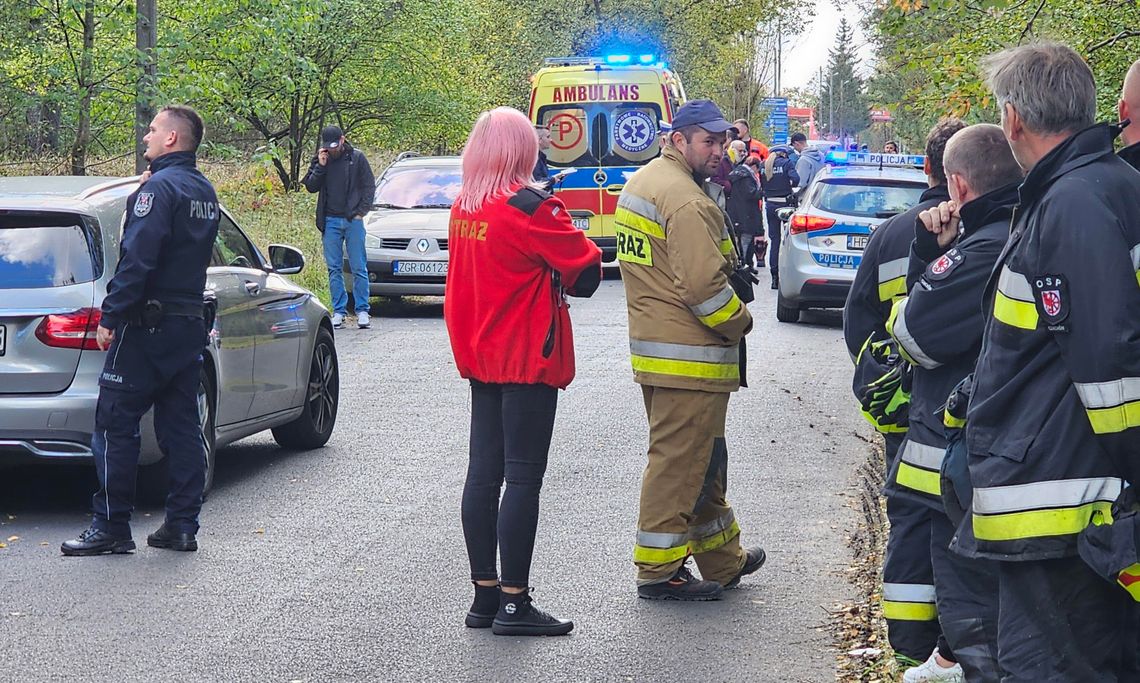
x: 362, y: 320
x: 931, y: 671
x: 338, y: 320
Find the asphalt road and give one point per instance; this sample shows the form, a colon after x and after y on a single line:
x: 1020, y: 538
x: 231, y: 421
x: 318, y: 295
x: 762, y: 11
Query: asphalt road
x: 347, y: 563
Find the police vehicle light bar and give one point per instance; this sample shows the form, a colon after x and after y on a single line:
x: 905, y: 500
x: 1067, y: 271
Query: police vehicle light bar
x: 614, y: 59
x: 842, y: 158
x: 617, y: 59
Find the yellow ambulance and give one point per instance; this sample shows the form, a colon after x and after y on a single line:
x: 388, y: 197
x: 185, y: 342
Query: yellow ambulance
x: 604, y: 115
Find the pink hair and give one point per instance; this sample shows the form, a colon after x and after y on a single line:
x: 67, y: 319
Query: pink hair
x: 499, y: 157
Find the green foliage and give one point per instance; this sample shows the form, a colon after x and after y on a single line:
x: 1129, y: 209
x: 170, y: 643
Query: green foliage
x: 842, y: 93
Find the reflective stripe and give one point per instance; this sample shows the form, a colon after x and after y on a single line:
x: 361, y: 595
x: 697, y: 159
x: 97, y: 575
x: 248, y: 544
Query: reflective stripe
x: 643, y: 207
x: 928, y: 457
x: 682, y: 368
x: 658, y: 555
x: 919, y: 479
x: 1135, y: 253
x: 1058, y: 493
x: 659, y: 539
x: 1038, y: 523
x: 892, y: 278
x: 1111, y: 406
x: 952, y: 422
x: 909, y: 602
x: 715, y: 526
x: 628, y: 219
x: 1013, y: 302
x: 662, y: 548
x: 896, y: 327
x: 714, y: 541
x: 714, y: 303
x: 908, y: 592
x: 1114, y: 420
x: 726, y: 246
x: 704, y: 354
x: 1015, y: 285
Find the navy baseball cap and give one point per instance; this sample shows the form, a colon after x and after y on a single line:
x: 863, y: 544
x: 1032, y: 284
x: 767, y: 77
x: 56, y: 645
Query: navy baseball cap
x: 330, y: 137
x: 703, y: 113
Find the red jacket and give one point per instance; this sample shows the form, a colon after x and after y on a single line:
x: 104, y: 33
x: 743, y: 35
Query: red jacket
x: 505, y: 314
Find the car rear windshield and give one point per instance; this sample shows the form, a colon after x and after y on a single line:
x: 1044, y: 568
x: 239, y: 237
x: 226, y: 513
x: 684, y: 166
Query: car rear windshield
x: 418, y: 188
x: 43, y: 251
x: 866, y: 198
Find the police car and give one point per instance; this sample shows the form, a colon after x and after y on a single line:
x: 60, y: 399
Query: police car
x: 823, y: 240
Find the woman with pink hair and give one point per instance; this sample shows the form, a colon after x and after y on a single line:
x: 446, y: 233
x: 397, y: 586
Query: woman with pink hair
x: 514, y: 255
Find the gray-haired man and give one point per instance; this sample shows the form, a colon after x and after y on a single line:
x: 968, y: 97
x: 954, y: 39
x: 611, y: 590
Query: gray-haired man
x: 1053, y: 428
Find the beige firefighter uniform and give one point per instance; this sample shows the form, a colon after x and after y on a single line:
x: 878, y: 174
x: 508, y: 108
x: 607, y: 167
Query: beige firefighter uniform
x: 685, y: 326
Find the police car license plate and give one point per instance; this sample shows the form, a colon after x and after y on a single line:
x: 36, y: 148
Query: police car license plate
x: 857, y: 242
x: 581, y: 223
x: 419, y: 267
x: 3, y: 338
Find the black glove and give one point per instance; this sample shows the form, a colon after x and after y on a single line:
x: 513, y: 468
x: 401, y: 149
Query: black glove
x: 742, y: 279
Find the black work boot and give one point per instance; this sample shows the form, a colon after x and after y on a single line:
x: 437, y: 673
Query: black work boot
x: 753, y: 560
x: 170, y: 539
x: 483, y: 608
x: 683, y: 586
x: 96, y: 542
x: 518, y: 616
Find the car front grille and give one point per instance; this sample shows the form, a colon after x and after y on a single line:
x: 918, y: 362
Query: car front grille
x: 394, y: 243
x: 442, y: 244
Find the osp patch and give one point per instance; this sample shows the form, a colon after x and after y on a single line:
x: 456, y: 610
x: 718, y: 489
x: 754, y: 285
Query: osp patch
x: 143, y: 203
x: 945, y: 264
x: 1051, y: 294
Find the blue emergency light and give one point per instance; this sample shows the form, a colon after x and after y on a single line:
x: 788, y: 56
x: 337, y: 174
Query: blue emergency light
x: 646, y: 59
x: 842, y: 158
x: 618, y: 59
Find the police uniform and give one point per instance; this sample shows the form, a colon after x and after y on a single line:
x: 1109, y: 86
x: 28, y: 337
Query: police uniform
x: 909, y: 604
x: 1054, y: 423
x: 777, y: 194
x: 938, y: 328
x: 156, y: 356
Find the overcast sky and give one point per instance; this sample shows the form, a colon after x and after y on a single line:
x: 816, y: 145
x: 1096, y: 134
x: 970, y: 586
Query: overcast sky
x: 803, y: 59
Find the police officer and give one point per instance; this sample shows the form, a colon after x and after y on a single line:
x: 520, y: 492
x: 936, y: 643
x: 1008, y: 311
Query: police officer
x: 1129, y: 109
x: 154, y: 331
x: 1053, y: 426
x: 685, y: 324
x: 780, y: 177
x: 938, y: 329
x: 908, y: 590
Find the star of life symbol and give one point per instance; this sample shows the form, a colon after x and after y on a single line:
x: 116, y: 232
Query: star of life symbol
x: 1051, y: 301
x: 633, y: 131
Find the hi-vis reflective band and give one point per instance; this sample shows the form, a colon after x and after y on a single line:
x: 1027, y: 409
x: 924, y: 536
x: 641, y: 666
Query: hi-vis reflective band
x: 909, y: 602
x: 717, y: 308
x: 952, y: 422
x: 919, y: 468
x: 683, y: 360
x: 1013, y: 302
x: 1129, y: 580
x: 633, y: 247
x: 1045, y: 508
x: 1136, y: 262
x: 896, y: 327
x: 892, y: 278
x: 1111, y: 406
x: 638, y: 214
x: 662, y: 548
x: 725, y: 242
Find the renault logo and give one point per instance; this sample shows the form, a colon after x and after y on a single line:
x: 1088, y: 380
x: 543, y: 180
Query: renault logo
x: 423, y: 245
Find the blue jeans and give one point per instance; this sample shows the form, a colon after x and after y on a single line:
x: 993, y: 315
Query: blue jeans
x: 339, y: 233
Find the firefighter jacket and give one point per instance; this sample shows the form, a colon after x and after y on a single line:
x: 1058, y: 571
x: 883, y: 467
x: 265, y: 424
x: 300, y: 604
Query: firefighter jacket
x: 504, y: 308
x: 676, y: 255
x: 938, y: 328
x: 1053, y: 427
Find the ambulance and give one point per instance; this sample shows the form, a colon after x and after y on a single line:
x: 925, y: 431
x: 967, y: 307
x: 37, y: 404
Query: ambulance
x: 604, y: 115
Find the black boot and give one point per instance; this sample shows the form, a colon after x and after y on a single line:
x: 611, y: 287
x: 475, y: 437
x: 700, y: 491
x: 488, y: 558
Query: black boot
x: 775, y: 280
x: 518, y: 616
x: 96, y: 542
x: 170, y: 539
x: 683, y: 586
x: 483, y: 608
x: 753, y: 560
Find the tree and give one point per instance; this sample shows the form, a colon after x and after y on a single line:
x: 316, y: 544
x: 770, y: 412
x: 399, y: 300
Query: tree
x: 843, y: 93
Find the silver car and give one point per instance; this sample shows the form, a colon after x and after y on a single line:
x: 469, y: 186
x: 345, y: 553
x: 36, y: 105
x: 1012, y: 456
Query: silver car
x: 270, y: 364
x: 406, y: 233
x: 823, y: 240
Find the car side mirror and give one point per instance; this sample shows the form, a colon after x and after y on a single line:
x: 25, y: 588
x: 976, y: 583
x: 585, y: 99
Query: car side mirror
x: 784, y: 214
x: 286, y: 260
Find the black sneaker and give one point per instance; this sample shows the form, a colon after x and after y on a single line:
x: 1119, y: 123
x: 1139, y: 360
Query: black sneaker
x: 169, y: 539
x: 97, y: 542
x: 518, y: 616
x: 483, y: 608
x: 683, y: 586
x: 753, y: 560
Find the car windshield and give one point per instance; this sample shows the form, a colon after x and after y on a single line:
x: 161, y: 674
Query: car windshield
x: 418, y: 188
x: 39, y: 256
x: 865, y: 197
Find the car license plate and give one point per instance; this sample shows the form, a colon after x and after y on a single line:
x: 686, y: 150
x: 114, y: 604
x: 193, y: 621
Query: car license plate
x: 3, y: 338
x: 857, y: 242
x: 581, y: 223
x: 419, y: 267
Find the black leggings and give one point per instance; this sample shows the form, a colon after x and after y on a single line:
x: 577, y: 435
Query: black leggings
x: 511, y: 426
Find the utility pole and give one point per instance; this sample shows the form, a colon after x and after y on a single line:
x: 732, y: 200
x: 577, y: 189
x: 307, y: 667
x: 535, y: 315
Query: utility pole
x: 146, y: 88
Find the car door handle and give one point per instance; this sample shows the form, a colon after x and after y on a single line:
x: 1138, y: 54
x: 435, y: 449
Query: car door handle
x: 252, y: 288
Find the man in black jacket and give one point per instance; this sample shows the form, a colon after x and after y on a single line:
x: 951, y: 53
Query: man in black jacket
x: 743, y: 205
x: 1129, y: 108
x: 938, y: 328
x: 344, y: 179
x: 908, y: 592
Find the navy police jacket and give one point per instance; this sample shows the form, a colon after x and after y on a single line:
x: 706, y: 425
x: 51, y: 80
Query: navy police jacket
x: 168, y: 237
x: 1131, y: 154
x: 784, y: 178
x: 938, y: 328
x: 1053, y: 428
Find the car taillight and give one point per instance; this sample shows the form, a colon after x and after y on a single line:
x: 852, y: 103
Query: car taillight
x: 805, y: 223
x: 70, y: 330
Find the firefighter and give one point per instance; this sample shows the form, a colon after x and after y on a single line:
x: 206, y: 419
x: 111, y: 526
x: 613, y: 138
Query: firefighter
x: 938, y: 329
x: 1053, y: 427
x: 908, y: 579
x: 686, y: 324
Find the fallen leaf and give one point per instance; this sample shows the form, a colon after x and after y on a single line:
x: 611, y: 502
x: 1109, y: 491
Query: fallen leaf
x: 3, y: 545
x: 13, y: 538
x: 259, y: 531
